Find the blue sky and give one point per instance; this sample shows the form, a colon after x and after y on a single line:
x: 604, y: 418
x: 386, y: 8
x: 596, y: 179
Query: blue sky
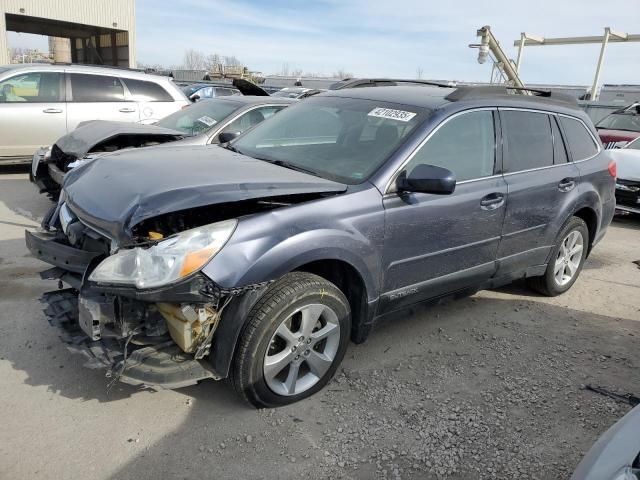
x: 390, y: 38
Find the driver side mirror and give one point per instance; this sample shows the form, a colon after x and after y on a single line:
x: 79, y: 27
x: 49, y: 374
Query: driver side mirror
x: 427, y: 179
x: 194, y: 98
x: 225, y: 137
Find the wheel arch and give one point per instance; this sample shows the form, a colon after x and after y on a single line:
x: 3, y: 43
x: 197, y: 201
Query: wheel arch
x: 349, y: 280
x: 590, y: 217
x: 336, y: 270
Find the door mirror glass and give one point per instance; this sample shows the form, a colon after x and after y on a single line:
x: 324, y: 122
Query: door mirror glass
x: 427, y: 179
x: 225, y: 137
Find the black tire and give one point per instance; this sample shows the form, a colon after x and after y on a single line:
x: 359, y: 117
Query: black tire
x: 285, y: 296
x: 546, y: 284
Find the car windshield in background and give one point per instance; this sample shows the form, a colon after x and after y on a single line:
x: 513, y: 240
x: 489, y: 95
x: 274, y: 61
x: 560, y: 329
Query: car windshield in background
x: 188, y: 91
x: 338, y: 138
x: 621, y: 121
x: 199, y: 117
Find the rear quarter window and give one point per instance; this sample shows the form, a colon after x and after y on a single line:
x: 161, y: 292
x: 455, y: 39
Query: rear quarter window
x: 581, y: 143
x: 528, y: 140
x: 143, y: 91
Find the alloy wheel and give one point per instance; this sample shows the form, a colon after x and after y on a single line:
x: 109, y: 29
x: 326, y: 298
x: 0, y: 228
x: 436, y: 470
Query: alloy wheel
x: 302, y: 349
x: 569, y: 258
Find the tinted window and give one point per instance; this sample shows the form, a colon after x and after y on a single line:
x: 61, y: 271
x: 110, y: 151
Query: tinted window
x: 559, y: 149
x: 528, y: 140
x: 621, y: 121
x: 96, y: 88
x: 465, y: 145
x: 147, y: 91
x: 580, y: 141
x: 199, y: 117
x: 32, y: 87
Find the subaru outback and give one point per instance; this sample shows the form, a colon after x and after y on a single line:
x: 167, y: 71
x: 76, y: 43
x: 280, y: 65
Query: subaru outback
x: 259, y: 261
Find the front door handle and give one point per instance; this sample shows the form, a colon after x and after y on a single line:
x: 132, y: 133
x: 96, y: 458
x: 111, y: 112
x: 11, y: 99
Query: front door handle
x: 566, y: 184
x: 127, y: 110
x: 492, y: 201
x: 52, y: 110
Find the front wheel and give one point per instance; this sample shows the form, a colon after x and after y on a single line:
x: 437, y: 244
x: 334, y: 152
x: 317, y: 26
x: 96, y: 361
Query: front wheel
x: 294, y: 339
x: 567, y: 260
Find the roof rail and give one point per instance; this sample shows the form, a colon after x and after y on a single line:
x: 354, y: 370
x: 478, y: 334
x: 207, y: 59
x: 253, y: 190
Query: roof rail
x: 115, y: 67
x: 363, y: 82
x: 470, y: 92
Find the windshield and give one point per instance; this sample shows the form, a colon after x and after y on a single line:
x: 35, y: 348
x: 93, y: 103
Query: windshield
x: 188, y: 91
x: 633, y: 145
x: 199, y: 117
x: 621, y: 121
x: 289, y: 92
x: 342, y: 139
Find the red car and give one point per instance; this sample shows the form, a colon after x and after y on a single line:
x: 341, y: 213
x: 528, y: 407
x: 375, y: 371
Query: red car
x: 620, y: 127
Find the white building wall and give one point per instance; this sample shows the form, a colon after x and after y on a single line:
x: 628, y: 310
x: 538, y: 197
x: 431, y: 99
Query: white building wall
x: 118, y: 14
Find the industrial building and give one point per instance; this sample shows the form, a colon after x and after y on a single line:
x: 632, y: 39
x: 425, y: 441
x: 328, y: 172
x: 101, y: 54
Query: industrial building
x: 80, y: 31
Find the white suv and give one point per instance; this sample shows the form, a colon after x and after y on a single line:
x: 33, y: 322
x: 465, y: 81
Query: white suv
x: 41, y: 103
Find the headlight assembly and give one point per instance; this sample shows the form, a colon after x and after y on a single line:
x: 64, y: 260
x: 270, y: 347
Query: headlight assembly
x: 169, y: 260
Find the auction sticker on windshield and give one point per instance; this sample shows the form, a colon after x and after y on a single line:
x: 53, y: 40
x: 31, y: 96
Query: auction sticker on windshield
x: 208, y: 121
x: 391, y: 114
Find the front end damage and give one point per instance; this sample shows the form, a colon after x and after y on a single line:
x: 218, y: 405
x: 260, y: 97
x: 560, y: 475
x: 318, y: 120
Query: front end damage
x: 158, y: 338
x: 133, y: 253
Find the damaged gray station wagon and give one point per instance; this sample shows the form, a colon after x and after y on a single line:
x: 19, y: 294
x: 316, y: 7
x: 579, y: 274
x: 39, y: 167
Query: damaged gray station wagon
x: 260, y: 260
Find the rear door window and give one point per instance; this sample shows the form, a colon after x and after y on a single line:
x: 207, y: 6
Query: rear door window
x: 466, y: 145
x: 143, y: 91
x: 96, y: 88
x: 34, y: 87
x: 580, y: 141
x: 528, y: 140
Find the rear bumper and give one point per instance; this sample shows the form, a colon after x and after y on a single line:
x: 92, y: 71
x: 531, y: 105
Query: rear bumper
x: 45, y: 247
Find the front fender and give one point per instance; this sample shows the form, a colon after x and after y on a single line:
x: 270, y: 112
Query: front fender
x: 264, y: 247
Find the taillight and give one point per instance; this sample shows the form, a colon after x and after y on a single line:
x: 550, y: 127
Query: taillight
x: 613, y: 169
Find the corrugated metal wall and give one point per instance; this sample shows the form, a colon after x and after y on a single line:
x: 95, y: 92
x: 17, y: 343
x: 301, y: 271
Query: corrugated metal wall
x: 102, y: 13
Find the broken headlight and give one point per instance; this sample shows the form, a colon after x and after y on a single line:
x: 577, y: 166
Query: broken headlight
x: 169, y: 260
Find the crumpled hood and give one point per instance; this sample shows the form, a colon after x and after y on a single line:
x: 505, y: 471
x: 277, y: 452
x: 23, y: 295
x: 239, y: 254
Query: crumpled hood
x: 627, y: 162
x: 116, y: 192
x: 89, y: 134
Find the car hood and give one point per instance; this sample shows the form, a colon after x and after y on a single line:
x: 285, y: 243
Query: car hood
x: 116, y: 192
x: 627, y: 163
x: 89, y: 134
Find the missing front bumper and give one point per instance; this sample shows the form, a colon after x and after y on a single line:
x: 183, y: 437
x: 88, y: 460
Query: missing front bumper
x: 162, y: 365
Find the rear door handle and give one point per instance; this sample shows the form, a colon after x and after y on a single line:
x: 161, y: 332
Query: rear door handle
x: 127, y: 110
x: 492, y: 201
x: 566, y: 184
x: 52, y: 110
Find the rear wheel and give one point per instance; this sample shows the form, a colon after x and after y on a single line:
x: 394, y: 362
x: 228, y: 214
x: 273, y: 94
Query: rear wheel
x: 567, y: 260
x: 294, y: 339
